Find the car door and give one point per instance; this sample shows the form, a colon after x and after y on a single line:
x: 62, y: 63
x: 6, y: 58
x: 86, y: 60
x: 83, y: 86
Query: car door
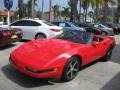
x: 30, y: 29
x: 20, y: 25
x: 100, y: 47
x: 88, y: 51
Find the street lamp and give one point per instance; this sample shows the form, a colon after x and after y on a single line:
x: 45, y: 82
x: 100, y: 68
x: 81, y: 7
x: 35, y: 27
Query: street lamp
x: 42, y: 9
x: 50, y: 5
x: 33, y: 8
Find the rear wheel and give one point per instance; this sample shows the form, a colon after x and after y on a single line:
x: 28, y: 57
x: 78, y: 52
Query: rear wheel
x: 108, y: 54
x: 71, y: 69
x: 40, y: 36
x: 104, y: 33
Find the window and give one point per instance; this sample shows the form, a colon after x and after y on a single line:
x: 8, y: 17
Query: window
x: 18, y: 23
x: 55, y: 23
x: 99, y: 26
x: 31, y: 23
x: 62, y: 25
x: 67, y: 25
x: 26, y: 23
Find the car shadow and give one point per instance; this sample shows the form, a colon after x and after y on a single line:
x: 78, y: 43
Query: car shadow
x: 22, y: 79
x: 24, y: 40
x: 113, y: 84
x: 7, y: 46
x: 116, y: 54
x: 81, y: 68
x: 30, y: 82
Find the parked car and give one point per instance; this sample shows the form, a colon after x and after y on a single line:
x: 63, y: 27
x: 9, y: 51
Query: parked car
x: 104, y: 29
x: 68, y: 25
x: 8, y: 36
x: 89, y: 28
x: 113, y: 26
x: 61, y: 57
x: 35, y: 29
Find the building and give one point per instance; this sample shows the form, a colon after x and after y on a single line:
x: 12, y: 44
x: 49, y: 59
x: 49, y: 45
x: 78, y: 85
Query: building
x: 4, y: 14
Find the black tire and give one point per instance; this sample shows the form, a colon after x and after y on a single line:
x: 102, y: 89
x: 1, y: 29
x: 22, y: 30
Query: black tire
x: 108, y: 55
x: 104, y: 33
x: 40, y: 36
x: 71, y: 69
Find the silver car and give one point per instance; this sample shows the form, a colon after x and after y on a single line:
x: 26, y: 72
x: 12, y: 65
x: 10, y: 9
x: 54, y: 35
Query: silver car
x: 105, y: 29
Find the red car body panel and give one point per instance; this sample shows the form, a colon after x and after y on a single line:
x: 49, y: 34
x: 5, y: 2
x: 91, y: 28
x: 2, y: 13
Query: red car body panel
x: 41, y: 55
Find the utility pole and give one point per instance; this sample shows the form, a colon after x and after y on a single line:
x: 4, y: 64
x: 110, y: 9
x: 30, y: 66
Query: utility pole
x: 50, y: 5
x: 42, y: 9
x: 33, y: 8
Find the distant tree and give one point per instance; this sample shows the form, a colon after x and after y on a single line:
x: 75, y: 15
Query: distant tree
x: 118, y: 11
x: 38, y: 14
x: 106, y: 8
x: 85, y: 5
x: 73, y: 10
x: 29, y: 7
x: 91, y: 14
x: 21, y: 9
x: 65, y: 13
x: 97, y: 5
x: 56, y: 10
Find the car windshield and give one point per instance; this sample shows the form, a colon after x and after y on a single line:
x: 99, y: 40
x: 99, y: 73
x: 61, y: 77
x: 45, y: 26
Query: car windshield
x: 76, y: 36
x: 75, y: 24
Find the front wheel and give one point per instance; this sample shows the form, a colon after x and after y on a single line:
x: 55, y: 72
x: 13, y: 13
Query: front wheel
x: 71, y: 69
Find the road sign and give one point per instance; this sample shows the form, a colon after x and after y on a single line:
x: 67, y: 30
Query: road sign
x: 8, y: 4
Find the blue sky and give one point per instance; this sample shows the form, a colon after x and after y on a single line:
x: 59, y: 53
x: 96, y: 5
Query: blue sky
x: 62, y: 3
x: 46, y: 6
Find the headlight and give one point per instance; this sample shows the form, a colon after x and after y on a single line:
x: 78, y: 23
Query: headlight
x: 41, y: 71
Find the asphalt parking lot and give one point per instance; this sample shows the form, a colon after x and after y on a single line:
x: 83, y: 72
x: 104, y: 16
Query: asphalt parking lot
x: 96, y: 76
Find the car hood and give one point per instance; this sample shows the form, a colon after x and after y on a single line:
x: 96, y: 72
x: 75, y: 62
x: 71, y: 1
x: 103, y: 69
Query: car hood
x: 43, y: 51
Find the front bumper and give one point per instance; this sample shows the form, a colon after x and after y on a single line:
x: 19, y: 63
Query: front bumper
x: 55, y: 72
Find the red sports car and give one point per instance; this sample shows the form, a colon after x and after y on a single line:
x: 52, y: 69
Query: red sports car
x: 61, y: 57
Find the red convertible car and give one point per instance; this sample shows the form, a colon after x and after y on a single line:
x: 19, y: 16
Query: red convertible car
x: 61, y: 57
x: 8, y: 36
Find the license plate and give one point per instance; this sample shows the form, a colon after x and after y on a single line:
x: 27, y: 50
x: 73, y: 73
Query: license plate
x: 14, y: 37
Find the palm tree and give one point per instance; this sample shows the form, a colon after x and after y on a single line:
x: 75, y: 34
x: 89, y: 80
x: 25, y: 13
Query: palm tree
x: 101, y: 4
x: 50, y: 5
x: 96, y: 5
x: 21, y: 9
x: 106, y: 8
x: 73, y: 10
x: 118, y: 11
x: 56, y: 10
x: 85, y: 5
x: 80, y: 9
x: 31, y: 7
x: 65, y: 12
x: 91, y: 14
x: 42, y: 9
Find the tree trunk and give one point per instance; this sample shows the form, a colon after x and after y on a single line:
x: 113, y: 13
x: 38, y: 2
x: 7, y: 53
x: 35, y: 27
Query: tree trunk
x: 21, y: 9
x: 118, y: 12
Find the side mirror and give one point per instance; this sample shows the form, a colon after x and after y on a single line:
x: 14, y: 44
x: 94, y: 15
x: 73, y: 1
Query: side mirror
x: 95, y: 43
